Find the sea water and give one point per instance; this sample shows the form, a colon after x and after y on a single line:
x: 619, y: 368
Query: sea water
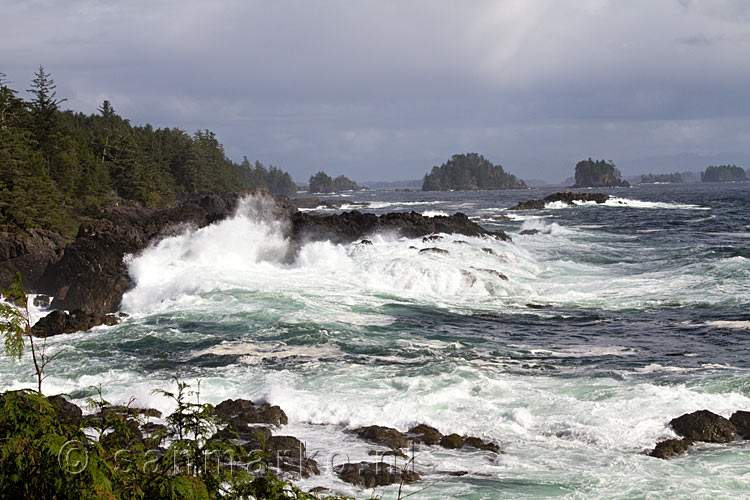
x: 614, y: 319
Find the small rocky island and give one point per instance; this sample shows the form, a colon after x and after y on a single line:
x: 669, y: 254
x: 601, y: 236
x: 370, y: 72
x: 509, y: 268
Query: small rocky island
x: 468, y: 172
x: 724, y: 173
x: 600, y: 173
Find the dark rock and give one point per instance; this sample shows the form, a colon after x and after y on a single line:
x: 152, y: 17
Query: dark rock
x: 29, y: 254
x: 670, y: 448
x: 432, y: 237
x: 236, y: 428
x: 741, y: 421
x: 461, y: 242
x: 319, y: 489
x: 567, y: 197
x: 425, y: 434
x: 248, y: 412
x: 59, y: 322
x: 365, y: 242
x: 370, y: 475
x: 304, y: 467
x: 389, y: 453
x: 529, y: 232
x: 704, y: 425
x: 42, y: 300
x: 306, y: 202
x: 451, y: 441
x: 480, y: 444
x: 435, y: 250
x: 67, y: 412
x: 536, y: 306
x: 352, y: 226
x: 489, y: 251
x: 385, y: 436
x: 285, y: 446
x: 458, y: 473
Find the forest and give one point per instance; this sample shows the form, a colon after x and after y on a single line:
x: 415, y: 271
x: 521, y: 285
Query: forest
x: 60, y: 166
x: 470, y: 171
x: 723, y: 173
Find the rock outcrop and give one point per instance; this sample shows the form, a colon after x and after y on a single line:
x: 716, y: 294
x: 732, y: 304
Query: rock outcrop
x: 704, y: 425
x: 567, y: 197
x: 372, y: 474
x: 59, y: 322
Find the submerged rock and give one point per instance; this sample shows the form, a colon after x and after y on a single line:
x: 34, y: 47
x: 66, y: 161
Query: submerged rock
x: 372, y: 474
x: 436, y: 250
x: 480, y: 444
x: 704, y: 425
x: 671, y: 448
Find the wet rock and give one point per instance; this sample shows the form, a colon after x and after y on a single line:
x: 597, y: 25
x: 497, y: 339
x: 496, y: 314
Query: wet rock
x: 741, y: 421
x: 489, y: 251
x: 59, y: 322
x: 529, y: 232
x: 567, y: 197
x: 385, y: 436
x: 352, y: 226
x: 67, y: 412
x: 425, y: 434
x: 365, y: 242
x: 704, y: 425
x: 492, y: 272
x: 247, y: 412
x: 370, y: 475
x: 461, y: 242
x: 470, y: 278
x: 237, y: 428
x: 671, y: 448
x: 30, y: 254
x: 480, y: 444
x: 42, y: 300
x: 535, y: 306
x: 389, y: 453
x: 436, y: 250
x: 432, y: 237
x: 452, y: 441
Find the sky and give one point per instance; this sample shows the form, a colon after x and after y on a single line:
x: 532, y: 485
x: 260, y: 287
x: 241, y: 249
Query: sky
x: 383, y: 90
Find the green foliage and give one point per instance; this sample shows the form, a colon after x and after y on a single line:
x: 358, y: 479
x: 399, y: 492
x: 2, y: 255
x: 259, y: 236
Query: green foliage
x: 723, y: 173
x: 46, y: 456
x: 60, y: 166
x: 601, y: 173
x: 322, y: 183
x: 469, y: 171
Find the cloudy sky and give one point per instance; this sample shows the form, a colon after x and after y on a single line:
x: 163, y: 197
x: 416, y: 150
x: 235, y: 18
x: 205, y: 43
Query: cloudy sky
x: 384, y: 90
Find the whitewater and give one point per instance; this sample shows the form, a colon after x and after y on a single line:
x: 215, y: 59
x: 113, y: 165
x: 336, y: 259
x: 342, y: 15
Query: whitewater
x: 571, y: 346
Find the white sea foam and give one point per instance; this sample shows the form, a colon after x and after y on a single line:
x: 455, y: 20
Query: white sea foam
x: 625, y: 202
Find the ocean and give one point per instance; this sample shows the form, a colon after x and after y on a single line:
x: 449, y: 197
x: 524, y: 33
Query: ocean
x: 613, y: 320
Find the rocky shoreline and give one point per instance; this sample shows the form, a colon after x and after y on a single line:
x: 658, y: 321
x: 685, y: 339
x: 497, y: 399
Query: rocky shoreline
x: 260, y: 426
x: 88, y: 276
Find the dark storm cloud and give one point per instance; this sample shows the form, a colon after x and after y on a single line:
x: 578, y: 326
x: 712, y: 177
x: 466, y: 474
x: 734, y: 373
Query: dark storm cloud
x: 383, y: 90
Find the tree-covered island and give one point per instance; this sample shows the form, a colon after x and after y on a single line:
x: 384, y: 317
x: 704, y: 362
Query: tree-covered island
x: 470, y: 171
x: 661, y: 178
x: 323, y: 183
x: 723, y: 173
x: 600, y: 173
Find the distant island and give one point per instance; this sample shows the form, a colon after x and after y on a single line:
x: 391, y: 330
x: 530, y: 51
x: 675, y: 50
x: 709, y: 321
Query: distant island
x: 654, y: 178
x: 323, y: 183
x: 467, y: 172
x: 601, y: 173
x: 723, y: 173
